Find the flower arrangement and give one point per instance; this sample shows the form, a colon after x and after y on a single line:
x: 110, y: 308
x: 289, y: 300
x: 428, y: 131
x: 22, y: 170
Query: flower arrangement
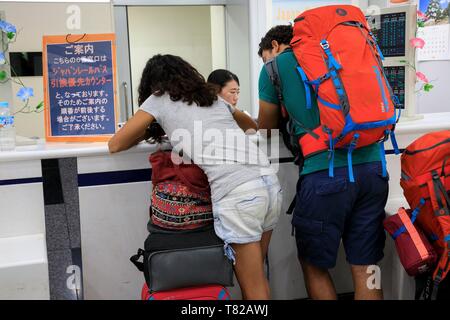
x: 24, y: 93
x: 419, y: 43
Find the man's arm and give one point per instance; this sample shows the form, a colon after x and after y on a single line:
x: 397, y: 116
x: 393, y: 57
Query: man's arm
x: 244, y: 121
x: 269, y: 116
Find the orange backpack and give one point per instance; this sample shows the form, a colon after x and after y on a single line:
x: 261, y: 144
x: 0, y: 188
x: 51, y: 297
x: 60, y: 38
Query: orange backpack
x: 426, y: 183
x: 339, y: 58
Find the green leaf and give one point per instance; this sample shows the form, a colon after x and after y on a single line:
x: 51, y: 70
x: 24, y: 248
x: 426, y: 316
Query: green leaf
x: 428, y: 87
x: 10, y: 35
x: 40, y: 105
x: 3, y: 75
x: 421, y: 24
x: 403, y: 61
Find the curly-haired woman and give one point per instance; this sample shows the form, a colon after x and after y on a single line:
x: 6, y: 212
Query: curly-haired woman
x: 245, y: 191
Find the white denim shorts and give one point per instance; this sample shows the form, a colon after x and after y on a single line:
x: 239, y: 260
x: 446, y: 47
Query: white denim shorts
x: 251, y: 209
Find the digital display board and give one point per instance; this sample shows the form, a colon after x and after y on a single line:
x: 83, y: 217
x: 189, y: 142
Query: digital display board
x: 397, y: 79
x: 390, y: 31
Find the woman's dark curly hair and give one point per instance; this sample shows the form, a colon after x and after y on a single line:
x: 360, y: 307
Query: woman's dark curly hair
x: 283, y: 34
x: 176, y: 77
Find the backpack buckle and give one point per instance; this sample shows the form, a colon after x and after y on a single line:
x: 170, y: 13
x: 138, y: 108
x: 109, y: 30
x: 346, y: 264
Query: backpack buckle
x: 354, y: 141
x: 435, y: 175
x: 325, y: 45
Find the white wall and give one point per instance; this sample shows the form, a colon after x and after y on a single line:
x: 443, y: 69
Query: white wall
x: 438, y: 99
x: 239, y: 55
x: 179, y: 30
x: 218, y: 40
x: 260, y: 23
x: 33, y: 20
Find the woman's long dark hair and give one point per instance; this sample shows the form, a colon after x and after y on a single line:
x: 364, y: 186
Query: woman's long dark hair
x: 176, y: 77
x: 181, y: 81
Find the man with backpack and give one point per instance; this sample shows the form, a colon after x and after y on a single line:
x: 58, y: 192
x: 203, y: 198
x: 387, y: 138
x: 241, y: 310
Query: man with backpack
x: 343, y: 201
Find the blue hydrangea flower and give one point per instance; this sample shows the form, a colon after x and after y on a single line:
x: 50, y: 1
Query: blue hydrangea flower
x: 7, y: 27
x: 2, y: 58
x: 25, y: 93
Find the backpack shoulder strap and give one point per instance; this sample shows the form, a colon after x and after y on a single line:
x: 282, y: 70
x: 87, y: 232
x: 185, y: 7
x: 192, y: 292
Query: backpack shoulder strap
x: 274, y: 76
x: 271, y: 67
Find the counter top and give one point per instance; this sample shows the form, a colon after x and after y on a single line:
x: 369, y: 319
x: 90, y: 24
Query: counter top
x: 52, y: 150
x: 430, y: 122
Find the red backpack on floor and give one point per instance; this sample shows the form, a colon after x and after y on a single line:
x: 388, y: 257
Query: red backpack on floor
x: 339, y: 58
x: 212, y: 292
x: 426, y: 180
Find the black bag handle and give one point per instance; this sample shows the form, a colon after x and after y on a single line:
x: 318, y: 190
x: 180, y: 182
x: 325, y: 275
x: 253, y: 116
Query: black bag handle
x: 135, y: 260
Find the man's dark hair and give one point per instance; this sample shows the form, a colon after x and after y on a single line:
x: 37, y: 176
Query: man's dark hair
x: 282, y: 34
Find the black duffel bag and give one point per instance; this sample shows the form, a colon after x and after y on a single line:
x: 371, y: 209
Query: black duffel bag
x: 180, y: 259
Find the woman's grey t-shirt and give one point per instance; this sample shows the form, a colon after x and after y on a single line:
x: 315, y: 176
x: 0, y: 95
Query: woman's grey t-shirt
x: 212, y: 139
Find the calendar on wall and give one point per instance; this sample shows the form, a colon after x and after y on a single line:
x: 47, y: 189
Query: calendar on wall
x: 437, y: 43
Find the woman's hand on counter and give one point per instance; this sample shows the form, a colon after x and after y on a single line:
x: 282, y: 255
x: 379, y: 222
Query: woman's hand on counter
x: 133, y: 132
